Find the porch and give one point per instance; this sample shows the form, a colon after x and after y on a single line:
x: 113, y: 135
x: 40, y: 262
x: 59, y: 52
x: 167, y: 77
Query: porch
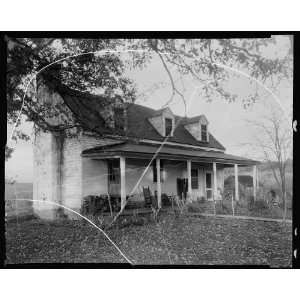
x: 125, y: 170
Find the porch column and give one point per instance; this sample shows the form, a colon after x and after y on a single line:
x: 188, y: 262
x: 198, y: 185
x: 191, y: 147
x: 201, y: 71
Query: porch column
x: 236, y: 182
x: 123, y: 181
x: 254, y: 177
x: 189, y: 175
x: 158, y: 182
x: 215, y: 180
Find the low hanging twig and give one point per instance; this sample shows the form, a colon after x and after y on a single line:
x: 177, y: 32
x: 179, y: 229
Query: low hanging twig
x: 174, y: 89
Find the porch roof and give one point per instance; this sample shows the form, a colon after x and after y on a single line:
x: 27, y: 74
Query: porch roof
x: 146, y: 151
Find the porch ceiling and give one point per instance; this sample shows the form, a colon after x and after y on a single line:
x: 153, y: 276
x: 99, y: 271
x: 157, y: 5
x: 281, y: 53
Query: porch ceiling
x: 166, y: 152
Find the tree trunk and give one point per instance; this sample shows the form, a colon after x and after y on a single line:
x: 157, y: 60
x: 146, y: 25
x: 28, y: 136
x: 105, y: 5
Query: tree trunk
x: 284, y: 201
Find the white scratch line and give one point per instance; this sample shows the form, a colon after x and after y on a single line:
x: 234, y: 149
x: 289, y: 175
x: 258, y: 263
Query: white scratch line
x: 88, y: 220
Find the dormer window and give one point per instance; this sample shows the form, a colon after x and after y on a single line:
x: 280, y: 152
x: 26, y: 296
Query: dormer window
x: 168, y: 126
x: 164, y: 122
x: 198, y: 128
x: 203, y: 133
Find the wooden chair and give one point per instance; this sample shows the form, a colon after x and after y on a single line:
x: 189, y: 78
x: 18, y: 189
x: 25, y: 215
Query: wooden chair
x: 149, y: 198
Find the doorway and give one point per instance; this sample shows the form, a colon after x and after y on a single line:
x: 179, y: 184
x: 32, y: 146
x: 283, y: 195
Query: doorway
x: 208, y: 186
x: 182, y: 187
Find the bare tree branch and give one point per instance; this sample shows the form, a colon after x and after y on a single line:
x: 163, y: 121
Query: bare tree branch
x: 174, y: 89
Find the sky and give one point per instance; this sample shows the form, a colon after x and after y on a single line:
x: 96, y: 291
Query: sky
x: 227, y: 121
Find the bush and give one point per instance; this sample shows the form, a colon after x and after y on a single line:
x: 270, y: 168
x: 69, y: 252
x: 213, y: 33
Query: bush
x: 250, y: 201
x: 93, y: 204
x: 193, y: 207
x: 134, y: 204
x: 165, y: 200
x: 134, y: 220
x: 201, y: 199
x: 260, y: 204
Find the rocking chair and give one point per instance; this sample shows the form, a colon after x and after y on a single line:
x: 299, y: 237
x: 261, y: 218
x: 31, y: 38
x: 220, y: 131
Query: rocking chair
x: 150, y: 200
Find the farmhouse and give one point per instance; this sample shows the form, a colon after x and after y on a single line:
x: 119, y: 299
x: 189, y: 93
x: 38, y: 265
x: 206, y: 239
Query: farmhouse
x: 142, y: 147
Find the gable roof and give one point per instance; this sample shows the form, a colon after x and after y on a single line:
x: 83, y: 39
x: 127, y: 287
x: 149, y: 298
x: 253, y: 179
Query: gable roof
x: 88, y: 108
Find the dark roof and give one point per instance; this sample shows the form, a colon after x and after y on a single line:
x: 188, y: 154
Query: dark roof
x: 139, y: 126
x: 88, y: 108
x: 142, y: 150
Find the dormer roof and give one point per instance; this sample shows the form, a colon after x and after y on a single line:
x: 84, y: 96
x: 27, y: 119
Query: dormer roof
x: 159, y: 121
x: 201, y: 118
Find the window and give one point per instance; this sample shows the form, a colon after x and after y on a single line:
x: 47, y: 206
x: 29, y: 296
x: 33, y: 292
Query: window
x: 114, y: 171
x: 204, y: 133
x: 169, y: 126
x: 161, y: 171
x: 194, y: 174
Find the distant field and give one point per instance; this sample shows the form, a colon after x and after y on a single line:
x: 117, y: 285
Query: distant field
x: 18, y: 191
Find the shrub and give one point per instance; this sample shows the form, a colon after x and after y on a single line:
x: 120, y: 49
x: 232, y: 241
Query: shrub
x: 133, y: 203
x: 201, y: 199
x: 134, y: 220
x: 193, y: 207
x: 260, y: 204
x: 250, y: 201
x: 93, y: 204
x: 165, y: 200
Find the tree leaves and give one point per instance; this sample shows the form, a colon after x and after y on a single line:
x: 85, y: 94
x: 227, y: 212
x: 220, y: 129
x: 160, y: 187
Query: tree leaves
x: 199, y: 58
x: 8, y: 152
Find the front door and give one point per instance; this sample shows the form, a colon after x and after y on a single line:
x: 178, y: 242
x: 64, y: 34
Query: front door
x: 182, y: 187
x: 208, y: 185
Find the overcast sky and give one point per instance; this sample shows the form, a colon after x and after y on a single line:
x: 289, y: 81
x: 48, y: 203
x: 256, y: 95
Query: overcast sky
x: 226, y: 120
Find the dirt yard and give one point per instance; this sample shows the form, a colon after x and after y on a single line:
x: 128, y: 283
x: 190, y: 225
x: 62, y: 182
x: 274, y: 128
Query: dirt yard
x: 182, y: 241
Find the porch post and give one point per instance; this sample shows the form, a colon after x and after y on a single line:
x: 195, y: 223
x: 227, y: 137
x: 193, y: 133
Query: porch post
x: 123, y: 181
x: 236, y: 182
x: 254, y: 177
x: 158, y: 182
x: 189, y: 175
x: 215, y: 180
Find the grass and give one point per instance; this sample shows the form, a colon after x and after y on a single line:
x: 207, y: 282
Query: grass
x: 185, y: 240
